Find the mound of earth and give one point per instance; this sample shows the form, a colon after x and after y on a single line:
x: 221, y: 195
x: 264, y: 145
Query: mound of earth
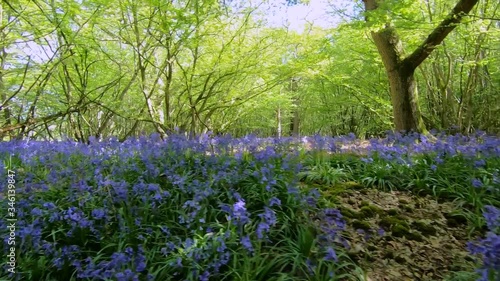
x: 399, y: 236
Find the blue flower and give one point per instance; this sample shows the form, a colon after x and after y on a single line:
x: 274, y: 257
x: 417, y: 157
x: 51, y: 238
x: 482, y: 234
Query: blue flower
x: 489, y: 247
x: 205, y: 276
x: 331, y: 255
x: 36, y: 212
x: 477, y: 183
x: 222, y: 246
x: 98, y: 214
x: 247, y: 243
x: 262, y: 228
x: 274, y: 201
x: 479, y: 163
x: 492, y: 216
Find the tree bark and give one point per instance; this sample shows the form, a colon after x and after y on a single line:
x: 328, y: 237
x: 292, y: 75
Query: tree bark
x: 400, y: 69
x: 3, y: 58
x: 295, y: 120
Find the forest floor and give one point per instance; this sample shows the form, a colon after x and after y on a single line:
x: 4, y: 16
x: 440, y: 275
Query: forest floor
x: 401, y: 236
x: 398, y: 235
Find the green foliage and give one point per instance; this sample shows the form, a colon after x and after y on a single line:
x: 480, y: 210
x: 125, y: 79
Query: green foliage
x: 118, y: 68
x: 323, y: 174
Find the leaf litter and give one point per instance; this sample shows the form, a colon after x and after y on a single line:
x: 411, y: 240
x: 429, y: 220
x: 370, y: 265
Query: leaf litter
x: 398, y: 235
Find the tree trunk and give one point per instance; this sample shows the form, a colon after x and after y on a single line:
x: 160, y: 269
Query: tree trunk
x: 400, y: 70
x: 295, y: 120
x: 278, y: 117
x: 294, y: 124
x: 402, y: 85
x: 404, y: 98
x: 3, y: 57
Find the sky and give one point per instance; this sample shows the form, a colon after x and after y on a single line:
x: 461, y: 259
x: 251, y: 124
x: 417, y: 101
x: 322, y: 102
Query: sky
x: 277, y: 14
x: 296, y: 17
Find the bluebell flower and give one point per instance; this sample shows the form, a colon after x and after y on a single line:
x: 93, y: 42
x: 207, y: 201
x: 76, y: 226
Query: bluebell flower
x: 247, y: 243
x: 129, y: 251
x: 293, y: 190
x: 492, y: 217
x: 274, y: 201
x: 237, y: 213
x: 222, y: 245
x: 179, y: 262
x: 477, y: 183
x: 58, y: 263
x: 126, y: 275
x: 262, y: 228
x: 99, y: 214
x: 118, y: 260
x: 489, y: 247
x: 49, y: 206
x: 479, y: 163
x: 36, y: 212
x: 140, y: 260
x: 311, y: 266
x: 55, y: 216
x: 331, y: 255
x: 269, y: 216
x: 381, y: 232
x: 367, y: 159
x: 205, y: 276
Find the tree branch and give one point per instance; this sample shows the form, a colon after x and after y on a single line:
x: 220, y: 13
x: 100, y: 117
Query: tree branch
x: 437, y: 36
x: 34, y: 121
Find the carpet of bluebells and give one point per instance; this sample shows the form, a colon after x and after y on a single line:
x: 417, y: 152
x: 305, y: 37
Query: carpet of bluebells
x: 222, y: 208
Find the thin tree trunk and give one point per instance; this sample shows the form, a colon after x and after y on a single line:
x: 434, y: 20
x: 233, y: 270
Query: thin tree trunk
x: 279, y: 121
x: 3, y: 57
x: 295, y: 120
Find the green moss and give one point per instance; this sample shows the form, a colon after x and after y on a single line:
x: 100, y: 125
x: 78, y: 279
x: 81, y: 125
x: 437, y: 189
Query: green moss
x: 348, y: 213
x: 357, y: 224
x: 364, y: 203
x: 392, y: 212
x: 424, y: 228
x: 401, y: 217
x: 415, y: 236
x: 370, y: 211
x: 338, y: 189
x: 406, y: 208
x: 389, y: 222
x: 404, y: 202
x: 399, y: 230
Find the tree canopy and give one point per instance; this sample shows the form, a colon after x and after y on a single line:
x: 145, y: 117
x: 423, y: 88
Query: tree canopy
x: 100, y: 68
